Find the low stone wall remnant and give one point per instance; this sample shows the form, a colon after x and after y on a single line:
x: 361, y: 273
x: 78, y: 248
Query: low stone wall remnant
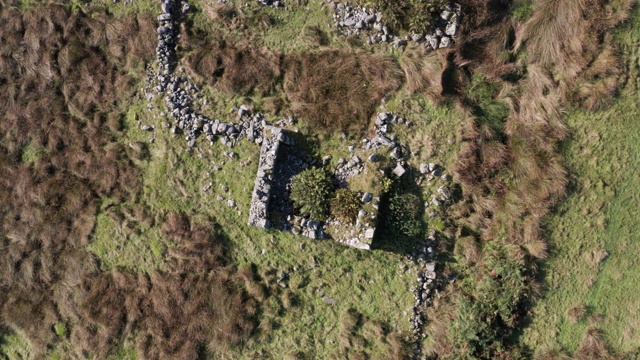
x: 259, y: 207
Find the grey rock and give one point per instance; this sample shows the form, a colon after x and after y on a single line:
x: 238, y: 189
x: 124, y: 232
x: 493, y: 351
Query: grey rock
x: 385, y: 141
x: 328, y: 301
x: 431, y: 266
x: 451, y: 29
x: 399, y: 170
x: 396, y: 153
x: 366, y: 197
x: 445, y: 42
x: 369, y: 233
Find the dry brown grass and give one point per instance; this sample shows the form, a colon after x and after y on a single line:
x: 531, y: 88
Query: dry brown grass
x: 469, y: 249
x: 576, y: 313
x: 338, y: 90
x: 60, y: 95
x: 569, y: 37
x: 592, y: 346
x: 423, y: 70
x: 597, y: 256
x: 237, y: 68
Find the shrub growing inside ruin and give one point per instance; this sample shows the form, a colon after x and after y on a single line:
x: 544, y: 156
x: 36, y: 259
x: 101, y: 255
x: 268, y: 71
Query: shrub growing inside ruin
x: 404, y: 214
x: 310, y: 192
x: 415, y: 15
x: 345, y: 205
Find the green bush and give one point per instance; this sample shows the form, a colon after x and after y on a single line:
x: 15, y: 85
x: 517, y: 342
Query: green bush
x: 488, y: 310
x: 310, y: 192
x: 404, y: 214
x: 345, y: 205
x: 415, y: 15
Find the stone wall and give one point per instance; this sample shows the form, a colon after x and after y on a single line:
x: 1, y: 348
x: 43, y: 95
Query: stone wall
x: 259, y: 207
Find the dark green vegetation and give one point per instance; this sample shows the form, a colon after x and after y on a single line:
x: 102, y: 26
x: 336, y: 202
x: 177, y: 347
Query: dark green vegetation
x: 311, y: 191
x: 345, y: 205
x: 405, y: 211
x: 413, y: 15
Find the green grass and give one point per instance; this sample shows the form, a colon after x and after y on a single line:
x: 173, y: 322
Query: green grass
x: 14, y: 346
x: 364, y: 281
x: 371, y: 283
x: 31, y: 154
x: 600, y: 212
x: 135, y: 248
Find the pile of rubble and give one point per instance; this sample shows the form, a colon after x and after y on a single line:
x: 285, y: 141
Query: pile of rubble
x: 274, y: 3
x: 305, y: 227
x: 353, y: 20
x: 359, y: 235
x: 443, y: 196
x: 347, y: 169
x: 445, y: 33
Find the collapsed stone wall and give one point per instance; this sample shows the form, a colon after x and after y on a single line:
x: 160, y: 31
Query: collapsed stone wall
x: 354, y: 20
x: 259, y: 207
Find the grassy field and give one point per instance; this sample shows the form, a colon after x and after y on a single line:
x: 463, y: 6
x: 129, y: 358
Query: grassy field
x: 296, y: 320
x: 594, y: 234
x: 339, y: 301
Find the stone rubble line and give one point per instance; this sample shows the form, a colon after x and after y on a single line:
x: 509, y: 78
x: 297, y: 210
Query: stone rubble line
x: 424, y: 256
x: 356, y: 20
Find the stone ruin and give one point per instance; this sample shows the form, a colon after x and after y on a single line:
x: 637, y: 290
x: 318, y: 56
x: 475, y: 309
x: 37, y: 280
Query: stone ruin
x: 266, y: 188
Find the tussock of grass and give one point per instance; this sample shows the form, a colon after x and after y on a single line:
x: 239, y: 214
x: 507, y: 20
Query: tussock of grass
x: 423, y: 70
x: 592, y: 346
x: 576, y: 313
x: 237, y: 68
x: 569, y: 37
x: 338, y: 90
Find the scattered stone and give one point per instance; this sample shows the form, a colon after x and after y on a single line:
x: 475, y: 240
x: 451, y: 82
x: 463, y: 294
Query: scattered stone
x: 328, y: 301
